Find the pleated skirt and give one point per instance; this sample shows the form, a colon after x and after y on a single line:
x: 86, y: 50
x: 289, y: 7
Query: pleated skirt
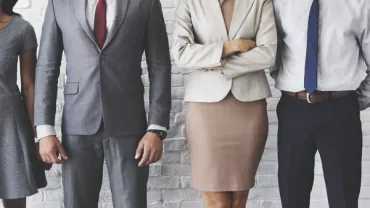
x: 226, y: 141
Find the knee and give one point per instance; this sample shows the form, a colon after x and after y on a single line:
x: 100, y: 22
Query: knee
x: 217, y: 201
x: 239, y: 200
x: 238, y: 203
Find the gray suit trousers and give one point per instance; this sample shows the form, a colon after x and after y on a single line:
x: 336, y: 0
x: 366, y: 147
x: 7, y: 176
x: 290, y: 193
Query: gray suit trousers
x: 83, y: 171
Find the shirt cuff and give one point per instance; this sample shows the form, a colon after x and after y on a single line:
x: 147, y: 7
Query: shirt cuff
x: 157, y: 127
x: 44, y: 131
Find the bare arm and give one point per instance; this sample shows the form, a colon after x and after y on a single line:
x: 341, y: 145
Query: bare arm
x: 28, y: 65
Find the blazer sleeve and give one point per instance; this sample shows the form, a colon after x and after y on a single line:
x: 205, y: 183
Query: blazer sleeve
x: 263, y: 56
x: 185, y: 51
x: 159, y: 67
x: 48, y: 69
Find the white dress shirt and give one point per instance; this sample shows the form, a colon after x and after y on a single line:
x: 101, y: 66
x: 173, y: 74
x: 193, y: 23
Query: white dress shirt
x: 48, y: 130
x: 344, y: 45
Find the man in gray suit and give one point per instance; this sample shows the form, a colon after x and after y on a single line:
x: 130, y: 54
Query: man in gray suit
x: 104, y: 116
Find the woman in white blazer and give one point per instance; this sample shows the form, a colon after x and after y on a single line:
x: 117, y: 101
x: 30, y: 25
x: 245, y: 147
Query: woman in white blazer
x: 224, y: 47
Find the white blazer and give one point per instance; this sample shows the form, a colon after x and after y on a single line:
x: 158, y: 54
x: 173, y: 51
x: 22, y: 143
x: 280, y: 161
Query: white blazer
x: 198, y: 40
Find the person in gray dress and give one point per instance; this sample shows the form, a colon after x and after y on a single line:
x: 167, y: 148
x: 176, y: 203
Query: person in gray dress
x: 21, y: 171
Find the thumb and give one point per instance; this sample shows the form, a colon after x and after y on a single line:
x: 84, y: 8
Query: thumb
x: 62, y: 151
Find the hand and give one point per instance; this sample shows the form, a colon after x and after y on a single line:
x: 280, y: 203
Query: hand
x: 239, y: 45
x: 150, y: 148
x: 244, y: 45
x: 50, y: 147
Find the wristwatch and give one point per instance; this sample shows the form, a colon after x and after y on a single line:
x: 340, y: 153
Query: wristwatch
x: 161, y: 134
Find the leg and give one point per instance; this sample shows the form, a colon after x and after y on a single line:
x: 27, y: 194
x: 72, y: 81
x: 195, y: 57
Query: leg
x: 14, y: 203
x: 216, y: 199
x: 340, y: 145
x: 296, y: 152
x: 82, y: 172
x: 239, y: 199
x: 128, y: 181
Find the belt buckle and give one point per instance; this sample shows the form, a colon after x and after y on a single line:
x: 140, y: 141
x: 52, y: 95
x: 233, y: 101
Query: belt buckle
x: 308, y: 98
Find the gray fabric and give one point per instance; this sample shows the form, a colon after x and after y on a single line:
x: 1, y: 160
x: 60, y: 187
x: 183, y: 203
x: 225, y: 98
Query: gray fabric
x: 83, y: 171
x: 21, y: 173
x: 108, y: 81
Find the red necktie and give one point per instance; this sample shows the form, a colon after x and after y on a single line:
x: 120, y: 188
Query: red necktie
x: 100, y: 24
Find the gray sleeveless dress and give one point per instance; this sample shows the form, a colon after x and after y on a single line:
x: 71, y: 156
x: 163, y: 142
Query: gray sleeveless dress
x: 21, y: 172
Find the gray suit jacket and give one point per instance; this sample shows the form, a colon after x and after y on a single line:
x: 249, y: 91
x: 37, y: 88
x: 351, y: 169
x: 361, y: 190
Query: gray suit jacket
x: 104, y: 84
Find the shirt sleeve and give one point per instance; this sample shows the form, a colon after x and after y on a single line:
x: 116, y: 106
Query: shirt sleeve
x: 44, y: 131
x: 364, y: 89
x: 157, y: 127
x: 29, y: 39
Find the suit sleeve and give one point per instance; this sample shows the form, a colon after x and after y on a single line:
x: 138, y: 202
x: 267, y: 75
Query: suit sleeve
x: 48, y: 69
x: 186, y: 52
x: 159, y: 67
x: 263, y: 56
x: 364, y: 89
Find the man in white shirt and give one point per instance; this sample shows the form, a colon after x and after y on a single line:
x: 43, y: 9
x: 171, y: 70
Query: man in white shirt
x: 324, y: 56
x: 104, y: 118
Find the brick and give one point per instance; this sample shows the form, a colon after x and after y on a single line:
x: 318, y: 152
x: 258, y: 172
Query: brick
x: 181, y: 195
x: 185, y: 157
x: 171, y: 205
x: 191, y: 204
x: 175, y: 170
x: 171, y: 158
x: 178, y: 144
x: 186, y: 182
x: 164, y: 182
x: 155, y: 170
x: 154, y: 205
x: 154, y: 195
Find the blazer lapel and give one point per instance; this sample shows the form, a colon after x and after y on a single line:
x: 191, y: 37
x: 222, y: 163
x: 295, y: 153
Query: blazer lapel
x: 118, y: 20
x: 241, y: 10
x: 80, y: 9
x: 215, y: 9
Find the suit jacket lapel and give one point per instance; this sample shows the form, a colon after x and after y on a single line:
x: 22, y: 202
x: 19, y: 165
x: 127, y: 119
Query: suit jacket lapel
x: 80, y: 9
x: 241, y: 10
x: 118, y: 20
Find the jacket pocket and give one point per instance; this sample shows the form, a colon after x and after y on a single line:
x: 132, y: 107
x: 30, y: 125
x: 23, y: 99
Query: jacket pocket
x: 71, y: 88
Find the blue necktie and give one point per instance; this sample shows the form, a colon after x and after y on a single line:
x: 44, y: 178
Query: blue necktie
x: 310, y: 77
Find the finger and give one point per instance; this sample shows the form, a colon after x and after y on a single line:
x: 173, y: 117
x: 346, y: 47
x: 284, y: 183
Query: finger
x: 139, y: 150
x: 46, y: 159
x: 158, y: 157
x: 146, y: 156
x: 54, y: 158
x: 153, y: 155
x: 62, y: 151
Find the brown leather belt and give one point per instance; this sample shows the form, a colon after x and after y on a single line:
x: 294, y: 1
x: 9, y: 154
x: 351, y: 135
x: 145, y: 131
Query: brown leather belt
x: 318, y: 96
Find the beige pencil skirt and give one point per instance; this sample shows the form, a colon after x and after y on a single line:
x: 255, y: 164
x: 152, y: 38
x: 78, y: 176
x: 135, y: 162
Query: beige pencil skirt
x: 226, y: 141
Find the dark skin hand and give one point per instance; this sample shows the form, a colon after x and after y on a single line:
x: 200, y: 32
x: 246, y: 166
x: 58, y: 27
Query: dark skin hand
x: 150, y: 149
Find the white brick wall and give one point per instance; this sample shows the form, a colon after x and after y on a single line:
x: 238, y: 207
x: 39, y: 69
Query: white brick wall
x: 169, y: 179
